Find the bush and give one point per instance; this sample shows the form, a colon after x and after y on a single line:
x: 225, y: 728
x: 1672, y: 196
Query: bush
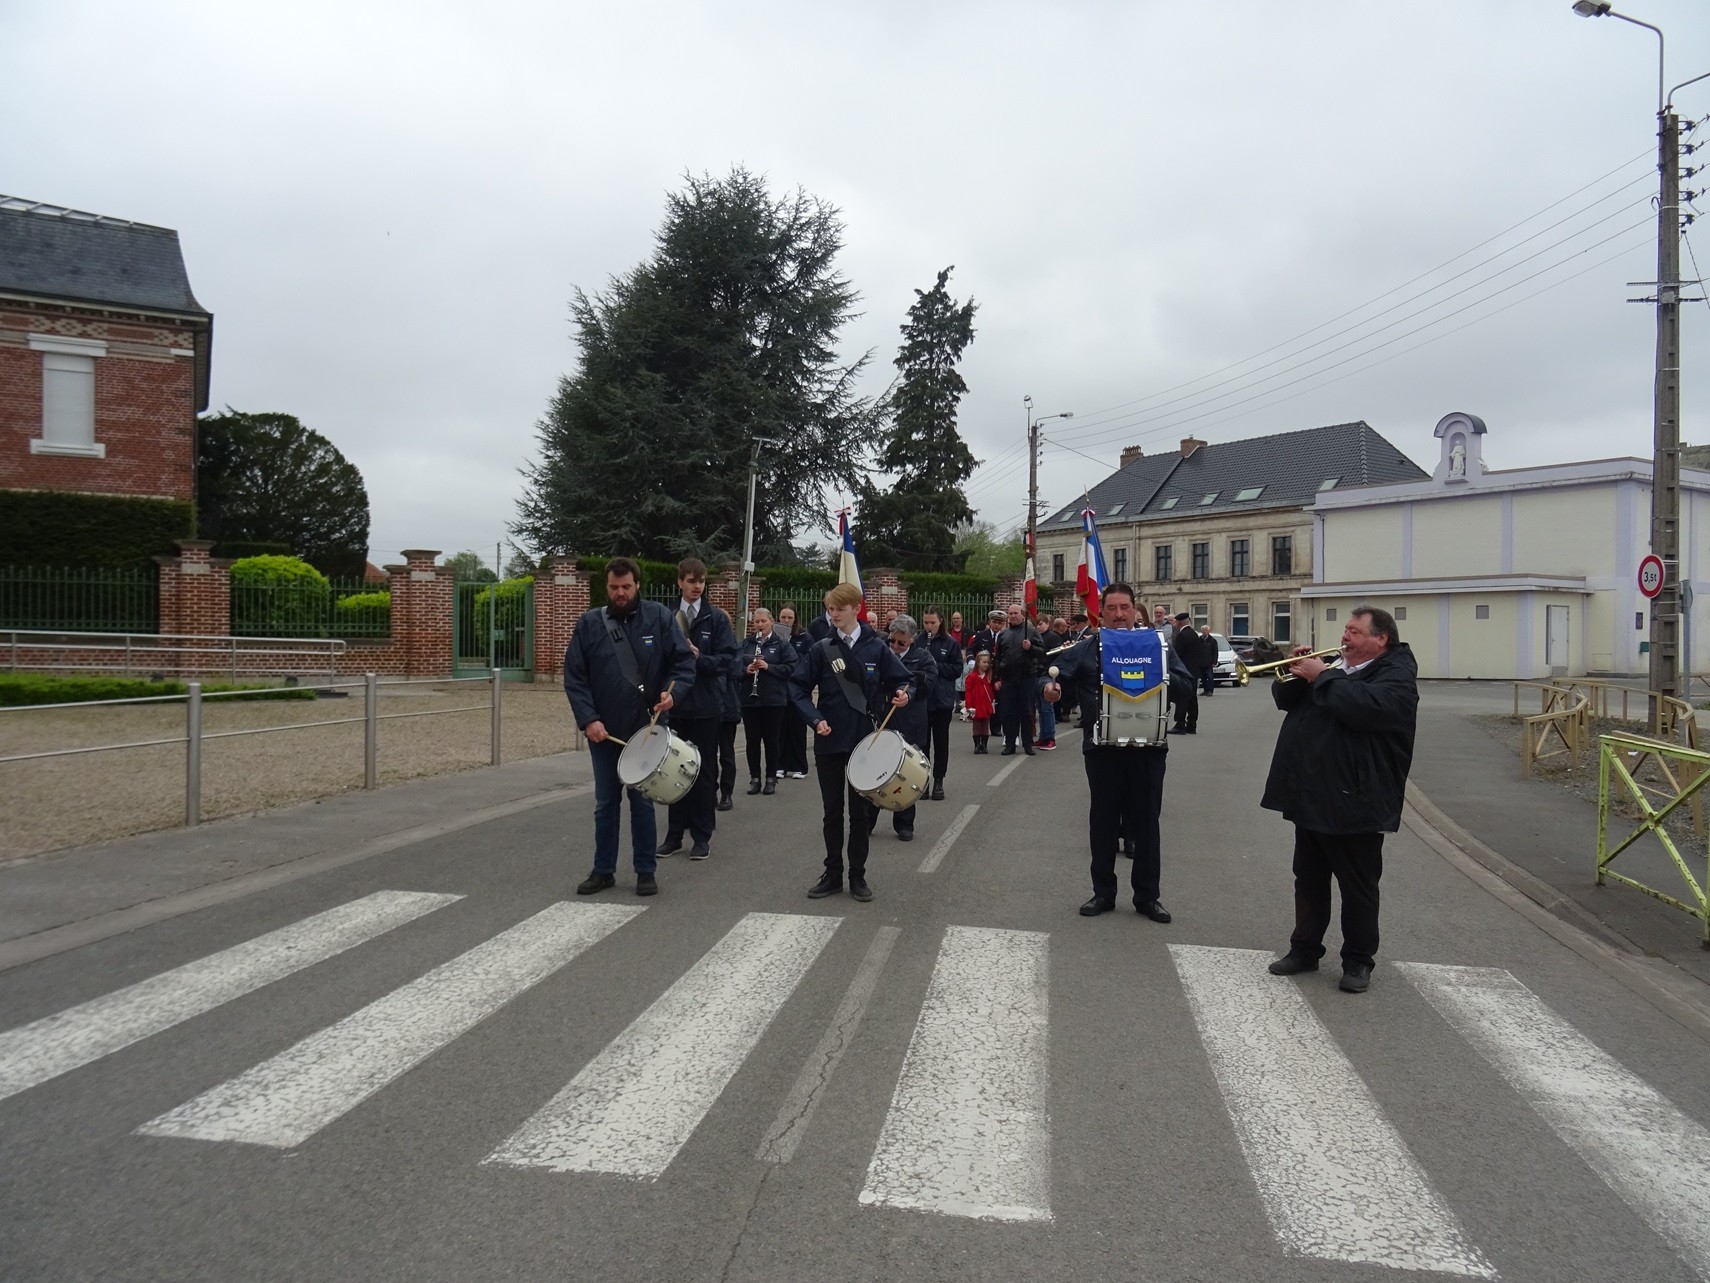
x: 26, y: 689
x: 510, y: 610
x: 363, y: 614
x: 275, y: 596
x: 54, y: 528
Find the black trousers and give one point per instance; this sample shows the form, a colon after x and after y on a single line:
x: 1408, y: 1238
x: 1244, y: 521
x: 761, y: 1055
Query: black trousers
x: 938, y: 727
x: 1187, y: 709
x: 696, y: 814
x: 1127, y: 791
x: 1356, y: 862
x: 834, y: 792
x: 727, y: 757
x: 763, y: 728
x: 1014, y: 702
x: 793, y: 735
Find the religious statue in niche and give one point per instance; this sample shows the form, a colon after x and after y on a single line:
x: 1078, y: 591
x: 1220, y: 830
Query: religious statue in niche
x: 1458, y: 457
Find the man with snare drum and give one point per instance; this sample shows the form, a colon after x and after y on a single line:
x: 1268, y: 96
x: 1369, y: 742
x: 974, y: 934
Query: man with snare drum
x: 1124, y: 764
x: 853, y: 670
x: 623, y: 662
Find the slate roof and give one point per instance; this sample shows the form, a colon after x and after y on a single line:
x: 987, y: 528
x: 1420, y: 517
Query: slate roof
x: 1290, y: 466
x: 52, y: 252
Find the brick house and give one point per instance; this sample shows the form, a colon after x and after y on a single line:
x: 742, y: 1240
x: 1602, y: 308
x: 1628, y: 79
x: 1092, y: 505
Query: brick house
x: 103, y: 355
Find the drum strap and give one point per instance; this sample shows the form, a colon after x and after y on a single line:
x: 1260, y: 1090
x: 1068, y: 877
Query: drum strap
x: 841, y: 661
x: 625, y: 652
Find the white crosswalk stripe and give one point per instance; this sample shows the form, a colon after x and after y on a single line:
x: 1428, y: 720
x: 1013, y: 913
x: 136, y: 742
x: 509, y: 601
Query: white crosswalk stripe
x: 968, y: 1132
x: 637, y: 1103
x: 1652, y: 1155
x: 70, y: 1039
x: 1337, y: 1181
x: 289, y: 1098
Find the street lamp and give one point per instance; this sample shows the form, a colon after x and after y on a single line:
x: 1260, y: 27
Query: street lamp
x: 748, y: 534
x: 1666, y: 650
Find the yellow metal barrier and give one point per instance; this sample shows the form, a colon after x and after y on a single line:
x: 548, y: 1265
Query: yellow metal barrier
x: 1617, y: 752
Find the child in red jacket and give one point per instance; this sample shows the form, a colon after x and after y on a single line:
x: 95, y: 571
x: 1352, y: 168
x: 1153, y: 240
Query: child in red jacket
x: 981, y: 700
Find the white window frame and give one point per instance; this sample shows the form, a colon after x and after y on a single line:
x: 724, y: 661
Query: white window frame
x: 1200, y: 613
x: 78, y: 350
x: 1243, y: 611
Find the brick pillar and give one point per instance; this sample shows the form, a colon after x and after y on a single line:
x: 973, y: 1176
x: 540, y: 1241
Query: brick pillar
x: 885, y: 593
x: 562, y: 595
x: 195, y: 596
x: 422, y: 595
x: 1010, y: 592
x: 723, y: 585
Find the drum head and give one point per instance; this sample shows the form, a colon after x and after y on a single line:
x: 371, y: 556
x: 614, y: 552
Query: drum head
x: 642, y: 755
x: 875, y: 760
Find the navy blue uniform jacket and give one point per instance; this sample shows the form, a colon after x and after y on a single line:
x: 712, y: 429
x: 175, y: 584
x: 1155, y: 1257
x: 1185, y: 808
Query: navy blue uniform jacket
x: 712, y: 636
x: 595, y: 683
x: 949, y: 656
x: 1079, y: 673
x: 880, y: 673
x: 911, y: 722
x: 773, y: 688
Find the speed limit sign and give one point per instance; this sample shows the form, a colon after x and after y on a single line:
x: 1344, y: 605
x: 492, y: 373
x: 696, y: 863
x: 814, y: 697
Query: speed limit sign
x: 1651, y: 575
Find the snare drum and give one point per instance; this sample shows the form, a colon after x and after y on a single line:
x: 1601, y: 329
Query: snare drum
x: 659, y: 764
x: 888, y: 771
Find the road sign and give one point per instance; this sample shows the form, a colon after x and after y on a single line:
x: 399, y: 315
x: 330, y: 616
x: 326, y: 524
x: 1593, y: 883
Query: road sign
x: 1651, y: 575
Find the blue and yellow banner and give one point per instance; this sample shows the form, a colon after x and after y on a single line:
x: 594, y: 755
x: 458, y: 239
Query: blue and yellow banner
x: 1133, y: 664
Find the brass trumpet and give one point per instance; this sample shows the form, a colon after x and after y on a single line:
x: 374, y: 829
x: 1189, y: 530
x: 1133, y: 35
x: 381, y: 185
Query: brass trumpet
x: 1243, y: 672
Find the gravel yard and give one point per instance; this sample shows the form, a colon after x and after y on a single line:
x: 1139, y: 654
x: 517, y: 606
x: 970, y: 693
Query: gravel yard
x: 73, y: 801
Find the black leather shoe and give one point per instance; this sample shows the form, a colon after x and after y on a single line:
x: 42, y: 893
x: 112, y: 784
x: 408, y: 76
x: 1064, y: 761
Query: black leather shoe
x: 1292, y: 964
x: 859, y: 890
x: 724, y: 802
x: 672, y: 844
x: 1129, y: 851
x: 1355, y: 978
x: 595, y: 881
x: 646, y: 884
x: 769, y: 787
x: 699, y: 851
x: 1008, y: 751
x: 753, y: 787
x: 1155, y: 910
x: 937, y: 790
x: 903, y: 835
x: 1095, y: 906
x: 1028, y: 750
x: 827, y: 885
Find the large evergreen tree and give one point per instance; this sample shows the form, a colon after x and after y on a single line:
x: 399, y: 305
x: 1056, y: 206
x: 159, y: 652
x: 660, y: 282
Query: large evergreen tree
x: 267, y: 479
x: 725, y: 335
x: 913, y: 524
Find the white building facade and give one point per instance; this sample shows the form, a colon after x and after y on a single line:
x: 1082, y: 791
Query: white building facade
x: 1524, y: 573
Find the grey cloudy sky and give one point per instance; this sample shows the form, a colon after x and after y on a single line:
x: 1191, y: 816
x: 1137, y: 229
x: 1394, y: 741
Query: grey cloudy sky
x: 387, y: 207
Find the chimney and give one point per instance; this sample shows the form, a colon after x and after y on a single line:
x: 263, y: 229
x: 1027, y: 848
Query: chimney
x: 1129, y: 454
x: 1189, y: 445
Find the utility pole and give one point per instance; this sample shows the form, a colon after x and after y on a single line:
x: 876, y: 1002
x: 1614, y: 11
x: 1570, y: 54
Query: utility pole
x: 1032, y: 470
x: 1665, y: 478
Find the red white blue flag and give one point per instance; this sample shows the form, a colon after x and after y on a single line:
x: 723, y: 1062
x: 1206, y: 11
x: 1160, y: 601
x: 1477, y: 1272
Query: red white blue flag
x: 1091, y: 578
x: 848, y: 568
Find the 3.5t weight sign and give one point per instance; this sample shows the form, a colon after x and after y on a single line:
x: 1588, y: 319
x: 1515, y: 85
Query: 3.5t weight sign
x: 1651, y: 575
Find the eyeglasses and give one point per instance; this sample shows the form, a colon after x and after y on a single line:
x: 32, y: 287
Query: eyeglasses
x: 899, y: 643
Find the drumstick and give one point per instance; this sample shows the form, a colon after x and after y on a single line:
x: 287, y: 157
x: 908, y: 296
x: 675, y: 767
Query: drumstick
x: 886, y: 722
x: 658, y: 711
x: 615, y: 740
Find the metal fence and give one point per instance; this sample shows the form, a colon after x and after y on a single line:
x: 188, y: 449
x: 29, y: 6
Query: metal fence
x: 133, y: 654
x: 337, y: 608
x: 107, y: 601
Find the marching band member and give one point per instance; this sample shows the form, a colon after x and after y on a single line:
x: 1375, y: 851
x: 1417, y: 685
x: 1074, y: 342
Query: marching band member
x: 766, y: 660
x: 792, y: 734
x: 914, y: 722
x: 852, y: 669
x: 948, y: 654
x: 710, y: 638
x: 622, y: 661
x: 1126, y: 783
x: 1339, y: 774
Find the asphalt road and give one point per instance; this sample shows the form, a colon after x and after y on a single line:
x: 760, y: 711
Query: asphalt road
x: 437, y: 1063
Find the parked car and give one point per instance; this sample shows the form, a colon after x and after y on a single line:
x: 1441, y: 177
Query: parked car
x: 1243, y: 646
x: 1223, y: 673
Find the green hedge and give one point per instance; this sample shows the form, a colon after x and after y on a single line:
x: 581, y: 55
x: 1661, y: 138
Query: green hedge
x: 510, y: 611
x: 54, y: 528
x: 235, y: 549
x: 931, y: 582
x: 275, y: 596
x: 654, y: 574
x: 20, y: 689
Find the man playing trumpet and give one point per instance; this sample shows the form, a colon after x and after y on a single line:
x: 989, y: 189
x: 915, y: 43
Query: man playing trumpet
x: 1338, y: 774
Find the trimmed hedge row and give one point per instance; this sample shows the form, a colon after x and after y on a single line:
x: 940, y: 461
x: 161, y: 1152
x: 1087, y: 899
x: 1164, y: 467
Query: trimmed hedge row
x: 21, y: 689
x: 55, y: 528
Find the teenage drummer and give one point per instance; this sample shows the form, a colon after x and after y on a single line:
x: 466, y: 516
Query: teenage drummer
x: 624, y: 662
x: 854, y: 670
x: 912, y: 723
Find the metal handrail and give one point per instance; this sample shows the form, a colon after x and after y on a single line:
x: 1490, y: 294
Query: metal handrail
x: 194, y: 737
x: 149, y: 645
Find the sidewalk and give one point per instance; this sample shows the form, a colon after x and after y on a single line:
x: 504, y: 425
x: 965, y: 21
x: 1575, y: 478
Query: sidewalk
x: 1474, y: 779
x: 58, y: 901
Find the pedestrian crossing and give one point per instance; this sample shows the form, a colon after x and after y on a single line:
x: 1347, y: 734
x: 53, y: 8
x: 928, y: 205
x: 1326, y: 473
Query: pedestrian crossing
x: 968, y: 1129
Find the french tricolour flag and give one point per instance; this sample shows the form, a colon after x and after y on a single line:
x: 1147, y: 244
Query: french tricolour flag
x: 848, y: 569
x: 1091, y: 578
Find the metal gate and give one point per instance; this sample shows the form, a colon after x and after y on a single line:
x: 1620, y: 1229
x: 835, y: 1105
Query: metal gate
x: 493, y: 629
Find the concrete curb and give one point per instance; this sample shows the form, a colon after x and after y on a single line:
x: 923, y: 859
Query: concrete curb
x: 1666, y: 987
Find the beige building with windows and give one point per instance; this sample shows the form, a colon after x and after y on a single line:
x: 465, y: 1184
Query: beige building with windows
x: 1224, y: 531
x: 1521, y: 573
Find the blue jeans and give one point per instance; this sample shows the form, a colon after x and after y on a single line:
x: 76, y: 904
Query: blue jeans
x: 608, y: 795
x: 1047, y: 718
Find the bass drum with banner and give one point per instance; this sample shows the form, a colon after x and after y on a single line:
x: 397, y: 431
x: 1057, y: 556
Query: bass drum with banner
x: 1133, y: 688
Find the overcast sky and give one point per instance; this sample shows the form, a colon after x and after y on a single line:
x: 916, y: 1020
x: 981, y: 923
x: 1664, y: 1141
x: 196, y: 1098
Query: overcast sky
x: 387, y: 206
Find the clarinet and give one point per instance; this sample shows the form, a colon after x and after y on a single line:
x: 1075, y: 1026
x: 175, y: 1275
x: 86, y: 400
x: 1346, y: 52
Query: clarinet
x: 754, y: 690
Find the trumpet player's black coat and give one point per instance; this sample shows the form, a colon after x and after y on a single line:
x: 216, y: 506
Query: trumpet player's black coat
x: 1346, y: 746
x: 773, y: 688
